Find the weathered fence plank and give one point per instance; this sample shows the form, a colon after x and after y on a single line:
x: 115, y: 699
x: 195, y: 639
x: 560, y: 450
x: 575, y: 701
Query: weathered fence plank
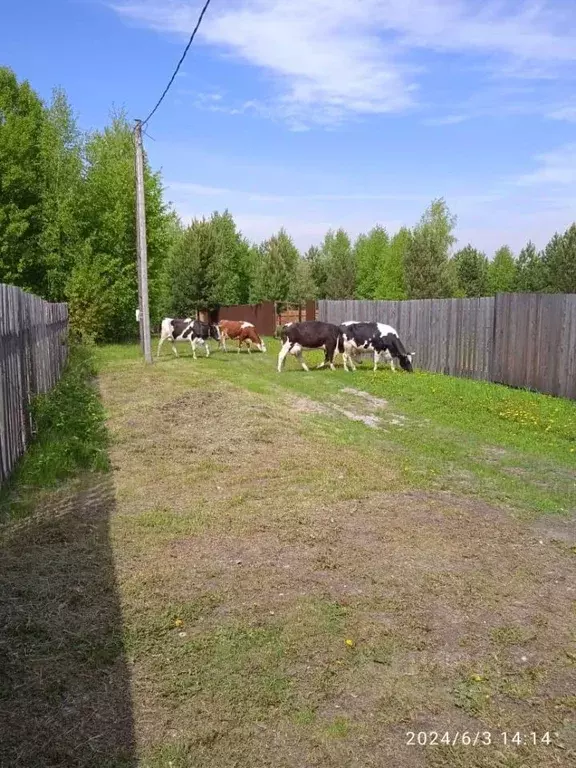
x: 523, y: 340
x: 33, y: 353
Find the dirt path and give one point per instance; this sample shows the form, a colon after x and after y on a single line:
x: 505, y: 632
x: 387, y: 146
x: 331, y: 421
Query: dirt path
x: 289, y: 601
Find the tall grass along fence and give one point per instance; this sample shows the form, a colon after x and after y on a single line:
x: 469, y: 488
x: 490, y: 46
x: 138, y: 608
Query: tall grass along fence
x: 520, y: 339
x: 33, y: 353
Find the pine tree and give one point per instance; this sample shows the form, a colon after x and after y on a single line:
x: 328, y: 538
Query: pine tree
x: 317, y: 261
x: 190, y: 270
x: 531, y: 271
x: 302, y: 286
x: 370, y: 254
x: 276, y: 269
x: 391, y: 284
x: 231, y: 268
x: 471, y: 272
x: 428, y: 272
x: 340, y: 266
x: 502, y: 271
x: 559, y: 259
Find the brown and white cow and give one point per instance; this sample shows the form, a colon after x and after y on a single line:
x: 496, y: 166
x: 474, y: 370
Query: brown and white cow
x: 243, y: 331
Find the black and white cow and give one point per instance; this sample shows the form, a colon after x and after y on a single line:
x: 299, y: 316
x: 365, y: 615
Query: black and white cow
x: 194, y: 331
x: 377, y: 338
x: 310, y: 334
x: 357, y: 353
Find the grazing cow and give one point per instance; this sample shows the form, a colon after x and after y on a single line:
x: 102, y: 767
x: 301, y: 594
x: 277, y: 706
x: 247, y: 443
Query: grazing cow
x: 372, y: 337
x: 194, y: 331
x: 357, y: 353
x: 241, y: 330
x: 310, y: 334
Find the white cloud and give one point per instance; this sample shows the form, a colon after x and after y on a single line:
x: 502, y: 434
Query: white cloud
x: 331, y: 197
x: 446, y: 120
x: 554, y: 168
x: 567, y: 112
x: 333, y: 59
x: 198, y: 190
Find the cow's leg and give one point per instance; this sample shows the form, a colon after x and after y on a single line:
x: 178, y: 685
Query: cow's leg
x: 173, y: 346
x: 348, y: 358
x: 376, y: 359
x: 329, y: 355
x: 162, y: 340
x: 193, y: 345
x: 298, y: 353
x: 207, y: 347
x: 282, y: 355
x: 249, y: 344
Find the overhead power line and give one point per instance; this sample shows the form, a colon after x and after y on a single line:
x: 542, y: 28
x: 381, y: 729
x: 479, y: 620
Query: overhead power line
x: 161, y: 99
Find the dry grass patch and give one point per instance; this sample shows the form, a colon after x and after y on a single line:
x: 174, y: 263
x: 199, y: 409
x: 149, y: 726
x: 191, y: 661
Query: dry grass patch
x: 287, y: 602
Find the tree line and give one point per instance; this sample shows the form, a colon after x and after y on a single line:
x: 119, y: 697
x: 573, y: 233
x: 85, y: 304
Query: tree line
x: 417, y: 263
x: 67, y: 215
x: 67, y: 233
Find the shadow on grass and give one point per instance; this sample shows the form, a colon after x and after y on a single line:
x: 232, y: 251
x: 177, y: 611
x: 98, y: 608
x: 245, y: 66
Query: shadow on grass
x: 64, y: 679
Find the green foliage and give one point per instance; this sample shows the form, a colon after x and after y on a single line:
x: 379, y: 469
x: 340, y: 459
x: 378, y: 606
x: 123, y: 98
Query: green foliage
x: 531, y: 271
x: 502, y: 271
x: 428, y: 273
x: 340, y: 265
x: 302, y: 287
x: 94, y: 293
x: 67, y: 233
x: 61, y: 157
x: 71, y: 434
x: 21, y: 182
x: 231, y: 268
x: 108, y: 227
x: 471, y: 272
x: 276, y: 269
x: 370, y: 254
x: 315, y: 257
x: 559, y: 260
x: 189, y: 270
x: 391, y: 283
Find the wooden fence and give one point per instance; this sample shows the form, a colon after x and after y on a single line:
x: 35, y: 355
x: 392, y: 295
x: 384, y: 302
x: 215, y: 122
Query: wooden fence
x: 524, y: 340
x: 33, y: 352
x: 265, y: 316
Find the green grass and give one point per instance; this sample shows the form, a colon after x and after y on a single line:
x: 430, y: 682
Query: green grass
x: 286, y: 585
x: 505, y: 445
x: 71, y: 437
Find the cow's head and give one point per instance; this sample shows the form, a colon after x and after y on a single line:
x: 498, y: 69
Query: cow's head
x: 261, y: 346
x: 406, y: 363
x: 214, y: 332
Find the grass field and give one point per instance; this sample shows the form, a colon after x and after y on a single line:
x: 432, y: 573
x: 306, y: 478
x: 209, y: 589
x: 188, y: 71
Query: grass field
x: 252, y: 569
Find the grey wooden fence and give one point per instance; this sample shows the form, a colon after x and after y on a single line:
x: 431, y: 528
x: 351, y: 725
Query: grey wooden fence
x: 33, y: 353
x: 525, y: 340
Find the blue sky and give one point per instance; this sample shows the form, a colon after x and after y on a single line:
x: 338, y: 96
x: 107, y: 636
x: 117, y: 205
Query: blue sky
x: 312, y: 114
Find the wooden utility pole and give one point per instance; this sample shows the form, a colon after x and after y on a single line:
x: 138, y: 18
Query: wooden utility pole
x: 141, y: 246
